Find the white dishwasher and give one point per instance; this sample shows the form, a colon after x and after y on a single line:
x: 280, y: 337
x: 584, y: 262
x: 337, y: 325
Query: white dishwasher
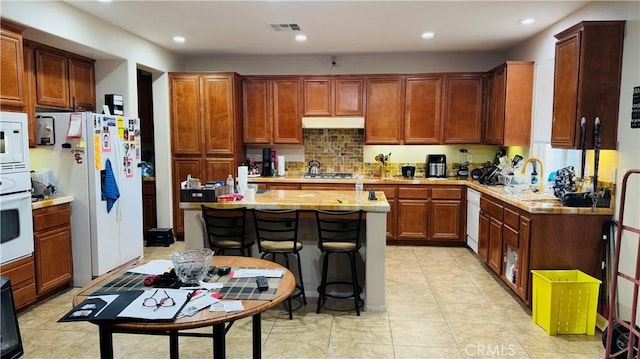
x: 473, y: 218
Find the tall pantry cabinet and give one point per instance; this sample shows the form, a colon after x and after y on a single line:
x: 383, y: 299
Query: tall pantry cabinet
x: 206, y: 131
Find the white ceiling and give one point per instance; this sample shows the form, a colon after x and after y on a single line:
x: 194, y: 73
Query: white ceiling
x: 332, y: 27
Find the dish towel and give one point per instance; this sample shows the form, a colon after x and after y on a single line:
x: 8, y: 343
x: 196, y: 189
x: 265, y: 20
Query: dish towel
x: 110, y: 188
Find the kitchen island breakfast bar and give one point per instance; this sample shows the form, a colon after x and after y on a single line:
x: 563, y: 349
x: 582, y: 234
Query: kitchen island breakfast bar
x: 374, y: 235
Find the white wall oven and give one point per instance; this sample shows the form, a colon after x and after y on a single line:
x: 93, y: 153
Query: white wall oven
x: 16, y: 226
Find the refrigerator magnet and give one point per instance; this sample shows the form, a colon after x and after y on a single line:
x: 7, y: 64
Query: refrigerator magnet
x: 128, y: 168
x: 106, y: 142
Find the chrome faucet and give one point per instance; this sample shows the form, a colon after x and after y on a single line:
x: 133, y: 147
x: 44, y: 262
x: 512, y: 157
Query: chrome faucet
x: 541, y: 173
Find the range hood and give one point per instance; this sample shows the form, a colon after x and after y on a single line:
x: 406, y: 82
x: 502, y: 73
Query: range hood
x: 333, y: 122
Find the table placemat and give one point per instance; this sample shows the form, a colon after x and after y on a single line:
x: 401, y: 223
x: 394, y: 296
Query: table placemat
x: 236, y: 289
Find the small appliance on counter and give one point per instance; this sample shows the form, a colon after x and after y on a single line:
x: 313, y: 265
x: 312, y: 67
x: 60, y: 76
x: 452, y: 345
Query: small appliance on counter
x: 463, y: 163
x: 266, y: 162
x: 408, y: 171
x: 436, y: 166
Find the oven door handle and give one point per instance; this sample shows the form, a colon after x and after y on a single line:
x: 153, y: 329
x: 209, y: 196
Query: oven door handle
x: 14, y: 197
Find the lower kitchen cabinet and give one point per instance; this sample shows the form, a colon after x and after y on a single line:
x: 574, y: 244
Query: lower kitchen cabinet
x: 148, y: 205
x: 53, y: 257
x: 515, y: 254
x: 413, y: 211
x: 512, y: 242
x: 392, y: 215
x: 23, y: 283
x: 447, y: 214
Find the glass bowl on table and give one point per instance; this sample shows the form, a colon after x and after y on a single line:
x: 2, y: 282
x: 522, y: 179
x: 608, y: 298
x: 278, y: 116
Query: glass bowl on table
x: 191, y: 265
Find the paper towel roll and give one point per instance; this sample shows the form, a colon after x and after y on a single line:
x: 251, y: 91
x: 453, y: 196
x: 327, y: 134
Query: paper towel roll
x: 280, y: 166
x: 243, y: 176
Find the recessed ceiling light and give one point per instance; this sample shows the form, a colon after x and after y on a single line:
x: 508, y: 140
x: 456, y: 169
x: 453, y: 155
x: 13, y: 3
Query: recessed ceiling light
x: 179, y: 39
x: 301, y: 37
x: 527, y: 21
x: 428, y: 35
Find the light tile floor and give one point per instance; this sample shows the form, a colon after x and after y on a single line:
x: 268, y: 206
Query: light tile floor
x: 442, y: 303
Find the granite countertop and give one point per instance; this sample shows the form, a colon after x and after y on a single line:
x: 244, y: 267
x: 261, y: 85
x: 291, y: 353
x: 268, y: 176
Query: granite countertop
x: 532, y: 203
x: 366, y: 180
x: 53, y: 201
x: 304, y: 200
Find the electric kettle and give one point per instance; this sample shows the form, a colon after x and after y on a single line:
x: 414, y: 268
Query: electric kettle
x: 314, y: 167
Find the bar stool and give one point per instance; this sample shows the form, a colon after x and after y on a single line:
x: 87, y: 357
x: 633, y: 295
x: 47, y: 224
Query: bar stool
x: 277, y: 234
x: 339, y: 232
x: 225, y: 229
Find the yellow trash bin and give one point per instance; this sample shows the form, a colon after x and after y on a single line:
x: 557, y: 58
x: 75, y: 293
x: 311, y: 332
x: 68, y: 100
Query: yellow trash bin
x: 565, y: 301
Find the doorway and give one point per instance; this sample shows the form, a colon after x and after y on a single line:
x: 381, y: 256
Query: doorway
x: 145, y: 112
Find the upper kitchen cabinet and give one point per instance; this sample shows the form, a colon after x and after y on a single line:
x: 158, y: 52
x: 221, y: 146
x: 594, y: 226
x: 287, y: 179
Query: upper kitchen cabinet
x: 509, y: 103
x: 205, y: 114
x: 52, y: 78
x: 82, y: 83
x: 30, y: 90
x: 64, y: 80
x: 588, y: 67
x: 186, y: 127
x: 220, y: 114
x: 332, y: 96
x: 271, y: 110
x: 12, y: 91
x: 422, y: 119
x: 462, y: 122
x: 384, y: 110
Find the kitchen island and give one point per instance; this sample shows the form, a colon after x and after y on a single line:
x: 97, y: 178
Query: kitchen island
x: 374, y: 231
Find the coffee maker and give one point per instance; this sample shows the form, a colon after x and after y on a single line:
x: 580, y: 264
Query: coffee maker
x: 436, y: 166
x: 266, y: 162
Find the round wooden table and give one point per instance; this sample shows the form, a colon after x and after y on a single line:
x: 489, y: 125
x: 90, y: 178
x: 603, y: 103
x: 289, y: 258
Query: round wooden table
x: 203, y: 318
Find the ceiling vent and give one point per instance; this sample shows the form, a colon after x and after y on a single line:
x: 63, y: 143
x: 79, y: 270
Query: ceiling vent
x: 285, y: 27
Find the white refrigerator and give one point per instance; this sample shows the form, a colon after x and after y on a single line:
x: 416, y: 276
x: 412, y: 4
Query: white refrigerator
x: 106, y: 232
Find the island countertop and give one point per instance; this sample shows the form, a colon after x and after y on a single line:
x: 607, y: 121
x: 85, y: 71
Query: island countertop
x: 375, y: 230
x: 345, y: 200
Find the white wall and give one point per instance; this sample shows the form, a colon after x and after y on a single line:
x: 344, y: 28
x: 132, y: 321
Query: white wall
x: 348, y: 64
x: 541, y: 49
x: 118, y: 54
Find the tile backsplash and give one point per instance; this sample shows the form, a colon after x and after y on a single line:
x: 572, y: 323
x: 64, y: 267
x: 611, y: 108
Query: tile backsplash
x: 338, y: 150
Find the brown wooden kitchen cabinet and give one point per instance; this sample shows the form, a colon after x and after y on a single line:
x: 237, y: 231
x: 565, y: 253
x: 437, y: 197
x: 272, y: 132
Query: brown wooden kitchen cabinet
x: 29, y: 52
x: 413, y: 213
x: 149, y: 218
x: 384, y: 111
x: 512, y: 242
x: 186, y: 126
x: 509, y: 103
x: 182, y: 167
x: 12, y: 91
x: 23, y: 282
x: 332, y: 96
x: 52, y: 78
x: 206, y: 131
x: 53, y: 256
x: 588, y: 66
x: 422, y: 115
x: 515, y: 235
x: 392, y: 215
x: 82, y: 83
x: 447, y: 214
x: 271, y: 110
x: 64, y: 80
x: 490, y: 232
x: 463, y: 108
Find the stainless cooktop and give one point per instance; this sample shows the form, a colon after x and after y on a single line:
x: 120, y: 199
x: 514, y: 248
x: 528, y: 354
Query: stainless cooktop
x: 337, y: 175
